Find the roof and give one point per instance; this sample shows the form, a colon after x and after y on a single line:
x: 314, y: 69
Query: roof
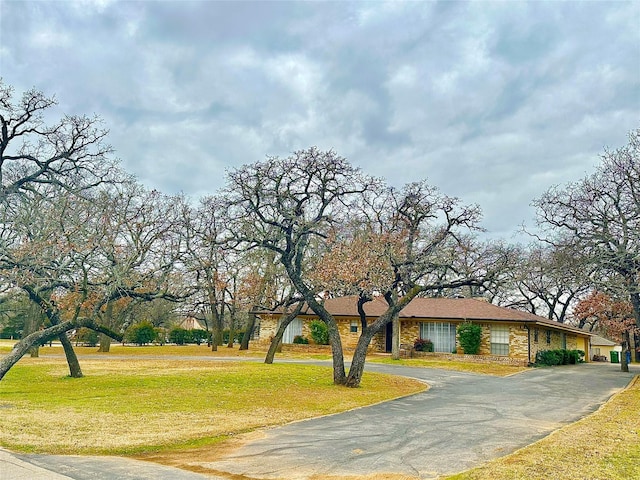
x: 601, y: 341
x: 441, y: 308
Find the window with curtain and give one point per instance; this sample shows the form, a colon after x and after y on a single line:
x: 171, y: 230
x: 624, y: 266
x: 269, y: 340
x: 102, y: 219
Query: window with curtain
x: 293, y: 329
x: 499, y: 340
x: 442, y: 334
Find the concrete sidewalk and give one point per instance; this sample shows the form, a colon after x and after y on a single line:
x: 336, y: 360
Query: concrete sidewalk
x: 12, y: 468
x: 70, y: 467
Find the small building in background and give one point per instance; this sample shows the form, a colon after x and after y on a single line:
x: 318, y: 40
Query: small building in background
x: 601, y: 348
x: 191, y: 323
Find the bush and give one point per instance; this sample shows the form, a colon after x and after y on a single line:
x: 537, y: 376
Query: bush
x: 141, y: 333
x: 180, y: 336
x: 576, y: 356
x: 559, y: 357
x: 470, y: 335
x: 199, y: 336
x: 548, y: 358
x: 87, y: 337
x: 423, y: 345
x: 300, y: 340
x: 319, y: 332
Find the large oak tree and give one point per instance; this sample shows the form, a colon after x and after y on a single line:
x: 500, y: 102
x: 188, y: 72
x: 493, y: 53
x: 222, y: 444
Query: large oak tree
x: 598, y: 218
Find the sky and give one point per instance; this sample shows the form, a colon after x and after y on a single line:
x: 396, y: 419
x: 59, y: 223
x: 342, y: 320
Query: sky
x: 492, y: 102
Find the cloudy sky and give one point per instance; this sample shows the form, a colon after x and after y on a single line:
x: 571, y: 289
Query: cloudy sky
x: 491, y: 101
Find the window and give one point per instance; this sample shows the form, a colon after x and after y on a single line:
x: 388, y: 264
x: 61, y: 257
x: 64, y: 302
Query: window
x: 535, y: 335
x: 354, y: 326
x: 548, y: 337
x: 442, y: 334
x: 293, y: 329
x: 499, y: 340
x: 564, y: 341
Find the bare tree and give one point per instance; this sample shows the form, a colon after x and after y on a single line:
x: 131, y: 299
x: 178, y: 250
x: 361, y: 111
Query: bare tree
x: 70, y: 153
x: 74, y: 255
x: 285, y: 205
x: 404, y: 244
x: 598, y: 218
x: 546, y: 280
x: 368, y: 237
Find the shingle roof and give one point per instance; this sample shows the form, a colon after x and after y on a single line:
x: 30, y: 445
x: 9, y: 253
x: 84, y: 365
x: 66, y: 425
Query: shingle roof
x: 441, y: 308
x: 601, y: 341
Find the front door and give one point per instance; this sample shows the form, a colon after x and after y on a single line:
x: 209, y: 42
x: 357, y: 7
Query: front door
x: 388, y: 343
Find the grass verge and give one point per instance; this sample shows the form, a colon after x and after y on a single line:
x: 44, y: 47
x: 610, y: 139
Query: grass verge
x: 482, y: 368
x: 136, y: 405
x: 605, y: 445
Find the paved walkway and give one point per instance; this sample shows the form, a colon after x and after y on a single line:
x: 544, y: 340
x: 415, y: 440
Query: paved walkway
x: 463, y: 420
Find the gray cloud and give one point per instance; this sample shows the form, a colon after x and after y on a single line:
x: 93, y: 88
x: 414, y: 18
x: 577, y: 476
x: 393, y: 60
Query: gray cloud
x: 492, y: 102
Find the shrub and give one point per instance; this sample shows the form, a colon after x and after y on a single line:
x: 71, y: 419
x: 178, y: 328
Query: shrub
x: 559, y: 357
x: 141, y: 333
x: 180, y: 336
x: 423, y: 345
x: 319, y: 332
x: 470, y: 335
x: 199, y: 336
x: 576, y: 356
x: 87, y: 337
x: 300, y: 340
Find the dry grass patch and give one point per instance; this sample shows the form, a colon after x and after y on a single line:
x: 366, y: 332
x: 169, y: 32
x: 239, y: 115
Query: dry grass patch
x: 134, y: 405
x: 157, y: 351
x: 605, y: 445
x: 482, y: 368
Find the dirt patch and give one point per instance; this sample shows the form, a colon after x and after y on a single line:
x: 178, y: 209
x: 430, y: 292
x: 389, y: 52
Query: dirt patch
x: 196, y: 459
x: 192, y: 458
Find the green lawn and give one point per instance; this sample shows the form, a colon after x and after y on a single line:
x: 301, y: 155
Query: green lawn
x: 134, y: 405
x: 184, y: 408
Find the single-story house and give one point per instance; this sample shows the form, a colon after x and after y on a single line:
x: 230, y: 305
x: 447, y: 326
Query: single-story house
x: 505, y: 332
x: 601, y: 348
x: 191, y: 323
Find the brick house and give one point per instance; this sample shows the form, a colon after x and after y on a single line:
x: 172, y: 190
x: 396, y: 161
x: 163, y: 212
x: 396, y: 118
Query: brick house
x: 506, y: 332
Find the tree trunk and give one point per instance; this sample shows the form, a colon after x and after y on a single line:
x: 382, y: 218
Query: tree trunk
x: 395, y: 341
x: 105, y: 340
x: 105, y: 343
x: 216, y: 329
x: 276, y: 342
x: 635, y: 302
x: 360, y: 353
x: 72, y: 359
x: 359, y: 357
x: 276, y: 345
x: 624, y: 365
x: 32, y: 324
x: 248, y: 331
x: 339, y: 377
x: 23, y: 346
x: 232, y: 331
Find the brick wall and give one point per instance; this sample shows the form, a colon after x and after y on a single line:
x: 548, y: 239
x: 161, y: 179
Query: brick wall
x: 554, y: 343
x: 410, y: 331
x: 472, y: 358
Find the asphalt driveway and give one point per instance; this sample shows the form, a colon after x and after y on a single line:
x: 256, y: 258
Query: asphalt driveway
x: 463, y: 420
